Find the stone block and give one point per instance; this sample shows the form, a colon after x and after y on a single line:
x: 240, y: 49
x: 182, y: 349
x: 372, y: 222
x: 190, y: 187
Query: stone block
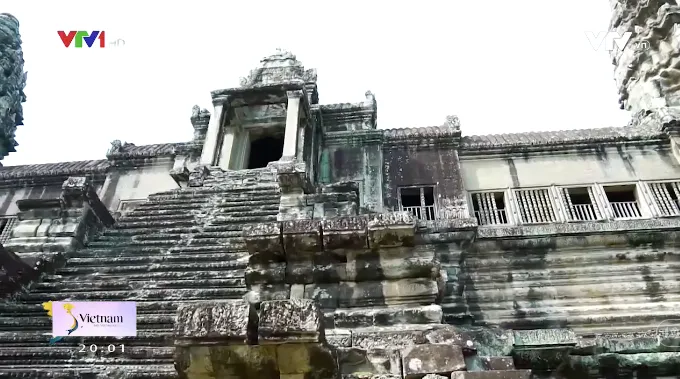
x: 44, y: 226
x: 244, y: 361
x: 268, y: 292
x: 312, y: 360
x: 339, y: 337
x: 504, y: 374
x: 26, y: 244
x: 345, y: 233
x: 26, y: 228
x: 354, y: 361
x: 497, y: 363
x: 383, y: 316
x: 301, y: 238
x: 63, y: 228
x: 215, y: 322
x: 485, y: 341
x: 390, y: 337
x: 544, y: 337
x: 325, y: 294
x: 388, y: 292
x: 419, y: 360
x: 262, y: 273
x: 264, y: 242
x: 391, y: 230
x: 293, y: 320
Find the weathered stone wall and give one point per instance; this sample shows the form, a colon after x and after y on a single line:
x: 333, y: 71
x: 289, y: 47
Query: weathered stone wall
x: 360, y: 161
x: 136, y: 184
x: 411, y: 166
x: 610, y: 165
x: 10, y: 196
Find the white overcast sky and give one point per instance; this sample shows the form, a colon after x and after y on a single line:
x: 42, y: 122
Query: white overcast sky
x: 501, y: 66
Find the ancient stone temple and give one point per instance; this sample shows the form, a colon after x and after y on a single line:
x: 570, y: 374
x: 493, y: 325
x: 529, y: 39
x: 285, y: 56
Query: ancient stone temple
x: 291, y: 239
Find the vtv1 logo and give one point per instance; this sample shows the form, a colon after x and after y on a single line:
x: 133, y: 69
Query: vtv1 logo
x: 98, y: 37
x: 611, y: 38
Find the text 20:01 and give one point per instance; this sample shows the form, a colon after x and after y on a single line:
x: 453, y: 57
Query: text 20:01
x: 93, y: 348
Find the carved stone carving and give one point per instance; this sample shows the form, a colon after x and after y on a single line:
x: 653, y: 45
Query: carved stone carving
x: 278, y: 68
x: 12, y: 83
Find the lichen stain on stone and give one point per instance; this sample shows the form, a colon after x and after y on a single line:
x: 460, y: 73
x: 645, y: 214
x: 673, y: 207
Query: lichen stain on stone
x: 652, y: 288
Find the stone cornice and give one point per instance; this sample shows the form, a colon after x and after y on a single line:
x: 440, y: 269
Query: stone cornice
x: 439, y: 136
x: 282, y: 87
x: 353, y: 138
x: 569, y: 148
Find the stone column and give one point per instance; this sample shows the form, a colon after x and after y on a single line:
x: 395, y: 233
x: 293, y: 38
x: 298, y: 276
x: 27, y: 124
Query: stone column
x: 225, y: 157
x: 292, y: 121
x: 208, y: 157
x: 646, y: 70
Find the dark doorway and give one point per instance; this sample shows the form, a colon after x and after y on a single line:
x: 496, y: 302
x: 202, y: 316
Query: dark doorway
x: 264, y: 150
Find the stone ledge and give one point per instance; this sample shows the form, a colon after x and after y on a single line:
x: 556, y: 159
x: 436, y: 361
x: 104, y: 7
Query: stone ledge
x: 307, y: 236
x: 215, y: 323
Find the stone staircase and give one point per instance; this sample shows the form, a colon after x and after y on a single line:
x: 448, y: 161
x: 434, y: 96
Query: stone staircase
x: 180, y: 246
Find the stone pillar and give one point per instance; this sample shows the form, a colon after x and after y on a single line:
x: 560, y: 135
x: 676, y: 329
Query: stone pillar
x: 225, y: 157
x: 646, y: 70
x: 221, y: 104
x: 292, y: 121
x: 12, y: 83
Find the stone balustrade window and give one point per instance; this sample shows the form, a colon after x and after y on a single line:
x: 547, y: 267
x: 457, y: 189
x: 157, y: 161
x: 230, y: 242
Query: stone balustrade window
x: 666, y: 196
x: 535, y: 206
x: 6, y: 226
x: 419, y: 201
x: 489, y: 208
x: 580, y: 204
x: 623, y: 201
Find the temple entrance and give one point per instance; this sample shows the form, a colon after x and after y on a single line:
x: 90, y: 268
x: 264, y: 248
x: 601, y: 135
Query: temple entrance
x: 264, y: 150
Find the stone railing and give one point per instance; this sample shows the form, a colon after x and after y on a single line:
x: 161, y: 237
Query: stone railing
x: 47, y: 228
x: 14, y: 272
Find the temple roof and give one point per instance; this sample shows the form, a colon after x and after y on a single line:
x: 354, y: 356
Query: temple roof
x: 279, y: 67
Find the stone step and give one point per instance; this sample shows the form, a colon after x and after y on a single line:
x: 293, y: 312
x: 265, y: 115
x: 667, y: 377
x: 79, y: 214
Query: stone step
x: 129, y: 232
x: 165, y: 208
x: 135, y: 285
x: 153, y: 259
x: 89, y: 371
x: 245, y: 219
x: 154, y: 217
x: 232, y: 243
x: 105, y: 251
x: 526, y: 278
x: 159, y: 224
x: 229, y: 229
x: 269, y: 204
x: 179, y: 267
x: 135, y: 295
x: 158, y: 275
x: 132, y: 244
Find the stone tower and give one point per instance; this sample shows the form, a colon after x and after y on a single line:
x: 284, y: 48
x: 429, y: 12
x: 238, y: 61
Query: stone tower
x: 12, y: 83
x: 647, y: 72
